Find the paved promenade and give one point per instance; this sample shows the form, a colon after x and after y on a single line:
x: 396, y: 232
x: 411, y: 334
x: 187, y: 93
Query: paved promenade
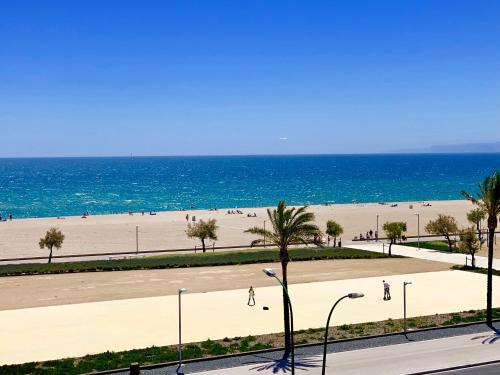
x: 44, y: 333
x: 438, y: 256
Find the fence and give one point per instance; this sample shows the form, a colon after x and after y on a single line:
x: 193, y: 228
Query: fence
x: 122, y: 254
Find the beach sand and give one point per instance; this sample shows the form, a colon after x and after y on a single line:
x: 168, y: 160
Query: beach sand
x: 166, y: 230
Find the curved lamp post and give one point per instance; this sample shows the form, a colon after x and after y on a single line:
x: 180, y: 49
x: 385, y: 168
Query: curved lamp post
x: 179, y: 371
x: 405, y: 283
x: 271, y: 273
x: 350, y: 295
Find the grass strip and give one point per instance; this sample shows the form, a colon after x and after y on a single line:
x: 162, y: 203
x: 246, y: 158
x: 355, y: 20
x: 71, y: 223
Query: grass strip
x: 476, y: 270
x: 186, y: 260
x: 431, y: 245
x: 208, y: 348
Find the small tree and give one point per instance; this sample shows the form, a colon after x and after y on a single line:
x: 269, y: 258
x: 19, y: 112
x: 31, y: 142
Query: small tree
x: 444, y: 225
x: 334, y: 229
x: 476, y: 216
x: 469, y: 243
x: 53, y: 238
x: 394, y: 231
x: 203, y: 230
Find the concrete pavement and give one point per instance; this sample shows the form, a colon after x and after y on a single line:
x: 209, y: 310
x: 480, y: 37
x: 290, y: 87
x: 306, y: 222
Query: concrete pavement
x: 412, y: 252
x: 45, y: 333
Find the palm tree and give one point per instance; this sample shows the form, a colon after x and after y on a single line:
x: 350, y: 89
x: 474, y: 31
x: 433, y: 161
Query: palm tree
x: 289, y: 226
x: 489, y: 198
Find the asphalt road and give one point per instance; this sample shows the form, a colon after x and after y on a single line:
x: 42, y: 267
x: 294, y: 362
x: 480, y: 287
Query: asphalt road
x: 493, y: 369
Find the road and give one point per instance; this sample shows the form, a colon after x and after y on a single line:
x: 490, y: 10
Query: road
x: 398, y: 359
x: 493, y: 369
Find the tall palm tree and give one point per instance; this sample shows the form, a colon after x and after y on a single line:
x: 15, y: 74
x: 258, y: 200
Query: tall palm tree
x: 289, y: 226
x: 489, y: 198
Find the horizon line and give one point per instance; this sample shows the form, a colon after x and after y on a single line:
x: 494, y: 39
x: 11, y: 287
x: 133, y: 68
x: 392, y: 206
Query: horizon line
x: 250, y: 155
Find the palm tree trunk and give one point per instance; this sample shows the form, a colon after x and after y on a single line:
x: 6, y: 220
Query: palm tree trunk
x: 286, y: 309
x: 492, y: 224
x: 478, y: 227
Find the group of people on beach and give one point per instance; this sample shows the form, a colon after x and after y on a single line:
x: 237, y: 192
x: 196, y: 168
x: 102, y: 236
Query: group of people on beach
x: 234, y: 212
x: 4, y: 219
x: 370, y: 235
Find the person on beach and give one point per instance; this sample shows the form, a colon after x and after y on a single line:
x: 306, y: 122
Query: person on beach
x: 387, y: 291
x: 187, y: 217
x: 251, y: 296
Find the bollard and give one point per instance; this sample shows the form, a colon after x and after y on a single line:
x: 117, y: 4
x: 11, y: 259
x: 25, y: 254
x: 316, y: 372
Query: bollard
x: 135, y: 369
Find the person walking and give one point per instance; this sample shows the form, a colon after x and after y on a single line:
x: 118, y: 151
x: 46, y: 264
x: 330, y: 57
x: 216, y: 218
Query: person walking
x: 251, y: 296
x: 387, y: 291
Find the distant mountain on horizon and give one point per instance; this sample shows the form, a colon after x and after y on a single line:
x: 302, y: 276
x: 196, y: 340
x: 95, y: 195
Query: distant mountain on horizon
x: 486, y: 147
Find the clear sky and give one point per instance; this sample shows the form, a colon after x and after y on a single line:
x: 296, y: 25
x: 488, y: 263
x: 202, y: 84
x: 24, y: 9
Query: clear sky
x: 103, y: 77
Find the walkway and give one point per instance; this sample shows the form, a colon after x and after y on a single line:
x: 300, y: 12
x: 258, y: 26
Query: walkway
x: 438, y: 256
x: 44, y: 333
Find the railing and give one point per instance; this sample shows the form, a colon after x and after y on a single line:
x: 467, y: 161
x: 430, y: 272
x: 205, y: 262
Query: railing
x: 195, y: 249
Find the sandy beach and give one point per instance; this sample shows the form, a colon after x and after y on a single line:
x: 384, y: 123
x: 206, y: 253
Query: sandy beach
x: 165, y: 230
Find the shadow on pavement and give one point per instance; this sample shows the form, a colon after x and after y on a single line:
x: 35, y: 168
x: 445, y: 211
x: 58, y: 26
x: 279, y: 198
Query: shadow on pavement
x: 284, y: 365
x: 489, y: 338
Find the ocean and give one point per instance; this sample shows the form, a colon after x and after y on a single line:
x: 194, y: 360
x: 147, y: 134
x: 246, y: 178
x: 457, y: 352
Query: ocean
x: 41, y: 187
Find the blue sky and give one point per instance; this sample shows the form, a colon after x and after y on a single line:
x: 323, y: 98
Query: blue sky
x: 85, y: 78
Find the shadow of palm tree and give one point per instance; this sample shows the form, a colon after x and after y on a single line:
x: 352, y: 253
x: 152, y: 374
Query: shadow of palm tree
x: 284, y: 365
x: 490, y: 338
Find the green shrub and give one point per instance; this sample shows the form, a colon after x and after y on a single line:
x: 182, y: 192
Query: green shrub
x: 185, y: 260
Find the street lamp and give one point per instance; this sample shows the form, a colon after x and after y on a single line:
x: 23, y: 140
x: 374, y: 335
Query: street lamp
x: 405, y: 283
x: 178, y: 371
x: 418, y: 230
x: 137, y: 239
x: 264, y: 234
x: 271, y: 273
x: 350, y: 295
x: 377, y: 228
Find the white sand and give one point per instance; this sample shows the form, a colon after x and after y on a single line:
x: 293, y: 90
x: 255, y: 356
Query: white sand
x: 44, y: 333
x: 112, y: 233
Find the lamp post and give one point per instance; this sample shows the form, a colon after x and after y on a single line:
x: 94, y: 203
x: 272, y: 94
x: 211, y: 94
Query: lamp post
x: 136, y: 239
x: 377, y: 228
x: 350, y: 295
x: 418, y: 230
x: 264, y: 234
x: 271, y: 273
x: 179, y: 371
x: 405, y: 283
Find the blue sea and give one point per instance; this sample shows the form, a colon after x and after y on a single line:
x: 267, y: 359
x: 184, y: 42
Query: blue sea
x: 70, y: 186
